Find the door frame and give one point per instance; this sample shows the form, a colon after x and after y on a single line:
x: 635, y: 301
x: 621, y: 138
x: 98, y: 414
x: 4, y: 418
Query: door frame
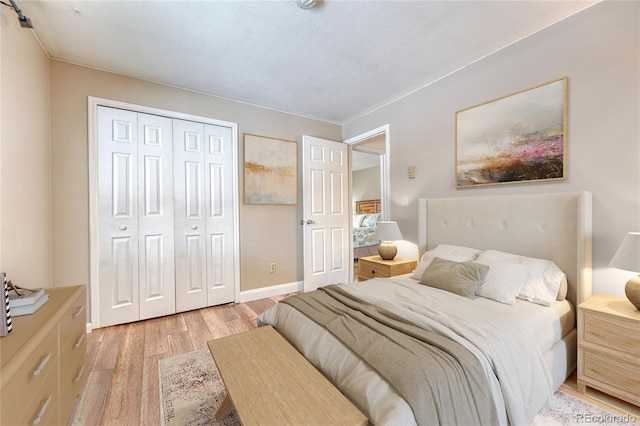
x: 385, y: 182
x: 92, y: 139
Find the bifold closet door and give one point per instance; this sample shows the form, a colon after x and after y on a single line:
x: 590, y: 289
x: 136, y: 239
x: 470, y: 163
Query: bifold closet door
x: 204, y: 215
x: 135, y: 217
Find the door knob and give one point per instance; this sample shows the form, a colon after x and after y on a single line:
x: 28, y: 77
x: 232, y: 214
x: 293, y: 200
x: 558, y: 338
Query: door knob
x: 302, y: 222
x: 194, y: 227
x: 123, y: 228
x: 309, y: 221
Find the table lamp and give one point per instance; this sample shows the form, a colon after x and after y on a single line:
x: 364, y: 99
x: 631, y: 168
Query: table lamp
x: 628, y: 257
x: 386, y: 232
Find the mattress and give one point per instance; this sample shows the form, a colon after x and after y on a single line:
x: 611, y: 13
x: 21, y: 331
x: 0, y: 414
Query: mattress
x: 544, y: 326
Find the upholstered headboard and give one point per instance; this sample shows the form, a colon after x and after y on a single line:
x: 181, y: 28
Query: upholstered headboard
x: 548, y: 226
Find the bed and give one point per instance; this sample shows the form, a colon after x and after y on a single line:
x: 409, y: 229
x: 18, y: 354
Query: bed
x: 365, y: 220
x: 518, y: 353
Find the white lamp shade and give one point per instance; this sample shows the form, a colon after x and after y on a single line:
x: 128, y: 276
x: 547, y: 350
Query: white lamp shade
x: 388, y: 231
x: 628, y: 255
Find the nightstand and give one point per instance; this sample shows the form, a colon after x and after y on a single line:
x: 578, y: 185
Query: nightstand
x: 375, y: 267
x: 609, y: 347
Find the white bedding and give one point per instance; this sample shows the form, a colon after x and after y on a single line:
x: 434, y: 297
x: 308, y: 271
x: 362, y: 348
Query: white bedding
x: 520, y: 381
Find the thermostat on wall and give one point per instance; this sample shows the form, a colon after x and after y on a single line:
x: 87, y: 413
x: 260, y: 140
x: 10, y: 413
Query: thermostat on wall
x: 411, y: 172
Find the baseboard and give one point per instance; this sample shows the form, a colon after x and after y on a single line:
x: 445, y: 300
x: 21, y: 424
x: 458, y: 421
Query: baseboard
x: 264, y: 292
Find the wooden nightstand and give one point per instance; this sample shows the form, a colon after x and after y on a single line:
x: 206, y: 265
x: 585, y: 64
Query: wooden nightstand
x: 609, y: 347
x: 375, y: 267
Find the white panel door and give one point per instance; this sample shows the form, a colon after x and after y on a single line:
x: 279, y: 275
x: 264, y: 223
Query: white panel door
x: 220, y: 218
x: 326, y: 219
x: 118, y: 216
x: 156, y: 278
x: 189, y: 207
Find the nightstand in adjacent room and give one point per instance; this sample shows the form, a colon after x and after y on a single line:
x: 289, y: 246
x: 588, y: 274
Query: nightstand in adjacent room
x: 374, y: 267
x: 609, y: 347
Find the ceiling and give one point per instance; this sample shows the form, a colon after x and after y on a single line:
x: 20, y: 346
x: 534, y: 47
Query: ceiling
x: 335, y: 62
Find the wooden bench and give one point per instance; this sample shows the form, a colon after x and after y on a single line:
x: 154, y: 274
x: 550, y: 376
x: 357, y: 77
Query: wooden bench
x: 269, y: 382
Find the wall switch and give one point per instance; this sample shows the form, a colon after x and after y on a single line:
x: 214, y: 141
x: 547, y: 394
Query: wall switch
x: 272, y: 267
x: 405, y: 200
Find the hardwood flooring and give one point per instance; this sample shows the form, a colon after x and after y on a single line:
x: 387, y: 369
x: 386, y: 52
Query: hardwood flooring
x: 122, y: 363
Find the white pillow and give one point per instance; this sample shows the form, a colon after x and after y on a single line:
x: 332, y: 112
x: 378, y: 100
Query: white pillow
x: 503, y: 281
x: 447, y: 252
x: 370, y: 220
x: 357, y: 220
x: 543, y: 281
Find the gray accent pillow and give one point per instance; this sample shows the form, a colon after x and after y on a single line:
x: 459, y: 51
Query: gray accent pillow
x: 462, y: 278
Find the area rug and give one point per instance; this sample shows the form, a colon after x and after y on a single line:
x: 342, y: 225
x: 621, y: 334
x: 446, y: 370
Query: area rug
x: 191, y: 391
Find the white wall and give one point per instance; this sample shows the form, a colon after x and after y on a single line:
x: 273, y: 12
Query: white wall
x: 599, y: 51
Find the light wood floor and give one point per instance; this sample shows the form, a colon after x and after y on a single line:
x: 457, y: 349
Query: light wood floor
x: 122, y: 363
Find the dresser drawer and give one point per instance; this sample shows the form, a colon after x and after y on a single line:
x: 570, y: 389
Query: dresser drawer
x: 72, y: 381
x: 73, y: 324
x: 31, y: 375
x: 70, y: 353
x: 23, y: 407
x: 611, y: 332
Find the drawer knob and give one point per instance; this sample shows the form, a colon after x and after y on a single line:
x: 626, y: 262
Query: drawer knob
x: 42, y: 364
x: 43, y: 410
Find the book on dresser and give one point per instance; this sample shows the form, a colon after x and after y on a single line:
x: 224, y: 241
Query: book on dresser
x: 27, y: 302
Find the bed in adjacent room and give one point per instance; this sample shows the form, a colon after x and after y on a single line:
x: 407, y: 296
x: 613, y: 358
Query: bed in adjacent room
x: 365, y: 221
x: 482, y: 332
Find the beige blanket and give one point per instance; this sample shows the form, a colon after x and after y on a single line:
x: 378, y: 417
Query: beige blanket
x: 442, y: 381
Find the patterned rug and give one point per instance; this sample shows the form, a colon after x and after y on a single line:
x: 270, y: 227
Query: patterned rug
x: 191, y: 391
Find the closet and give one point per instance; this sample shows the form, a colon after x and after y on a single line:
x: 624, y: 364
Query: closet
x: 166, y: 215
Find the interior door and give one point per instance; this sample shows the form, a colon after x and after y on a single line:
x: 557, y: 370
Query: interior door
x: 220, y: 218
x: 156, y: 278
x: 190, y: 223
x: 118, y: 216
x: 327, y: 233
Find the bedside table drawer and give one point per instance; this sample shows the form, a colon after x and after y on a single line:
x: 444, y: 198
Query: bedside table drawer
x: 373, y: 270
x: 623, y: 336
x: 616, y: 376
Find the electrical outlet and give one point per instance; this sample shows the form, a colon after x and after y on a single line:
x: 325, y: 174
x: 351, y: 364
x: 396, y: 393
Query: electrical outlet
x: 272, y: 267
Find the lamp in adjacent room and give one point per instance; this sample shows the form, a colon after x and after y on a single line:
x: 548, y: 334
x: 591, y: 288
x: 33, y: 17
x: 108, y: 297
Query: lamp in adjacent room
x: 628, y: 257
x: 386, y: 232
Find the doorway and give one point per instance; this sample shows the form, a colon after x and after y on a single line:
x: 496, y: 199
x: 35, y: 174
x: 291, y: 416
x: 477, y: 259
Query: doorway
x: 369, y: 189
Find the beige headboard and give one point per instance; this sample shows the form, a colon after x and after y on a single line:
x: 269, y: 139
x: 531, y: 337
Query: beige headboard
x: 548, y: 226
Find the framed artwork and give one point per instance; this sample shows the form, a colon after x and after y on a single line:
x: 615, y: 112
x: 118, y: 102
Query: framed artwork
x: 270, y: 170
x: 518, y: 138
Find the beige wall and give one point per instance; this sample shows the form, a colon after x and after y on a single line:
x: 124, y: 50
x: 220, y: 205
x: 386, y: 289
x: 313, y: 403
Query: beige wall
x: 25, y: 195
x: 365, y: 184
x: 267, y: 233
x: 599, y: 51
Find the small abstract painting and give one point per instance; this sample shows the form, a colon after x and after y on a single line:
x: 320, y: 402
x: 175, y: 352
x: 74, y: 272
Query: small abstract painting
x: 521, y: 137
x: 270, y: 170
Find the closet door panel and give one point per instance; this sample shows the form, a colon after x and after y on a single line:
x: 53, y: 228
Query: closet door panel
x: 189, y: 213
x: 118, y: 216
x: 156, y: 216
x: 220, y: 224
